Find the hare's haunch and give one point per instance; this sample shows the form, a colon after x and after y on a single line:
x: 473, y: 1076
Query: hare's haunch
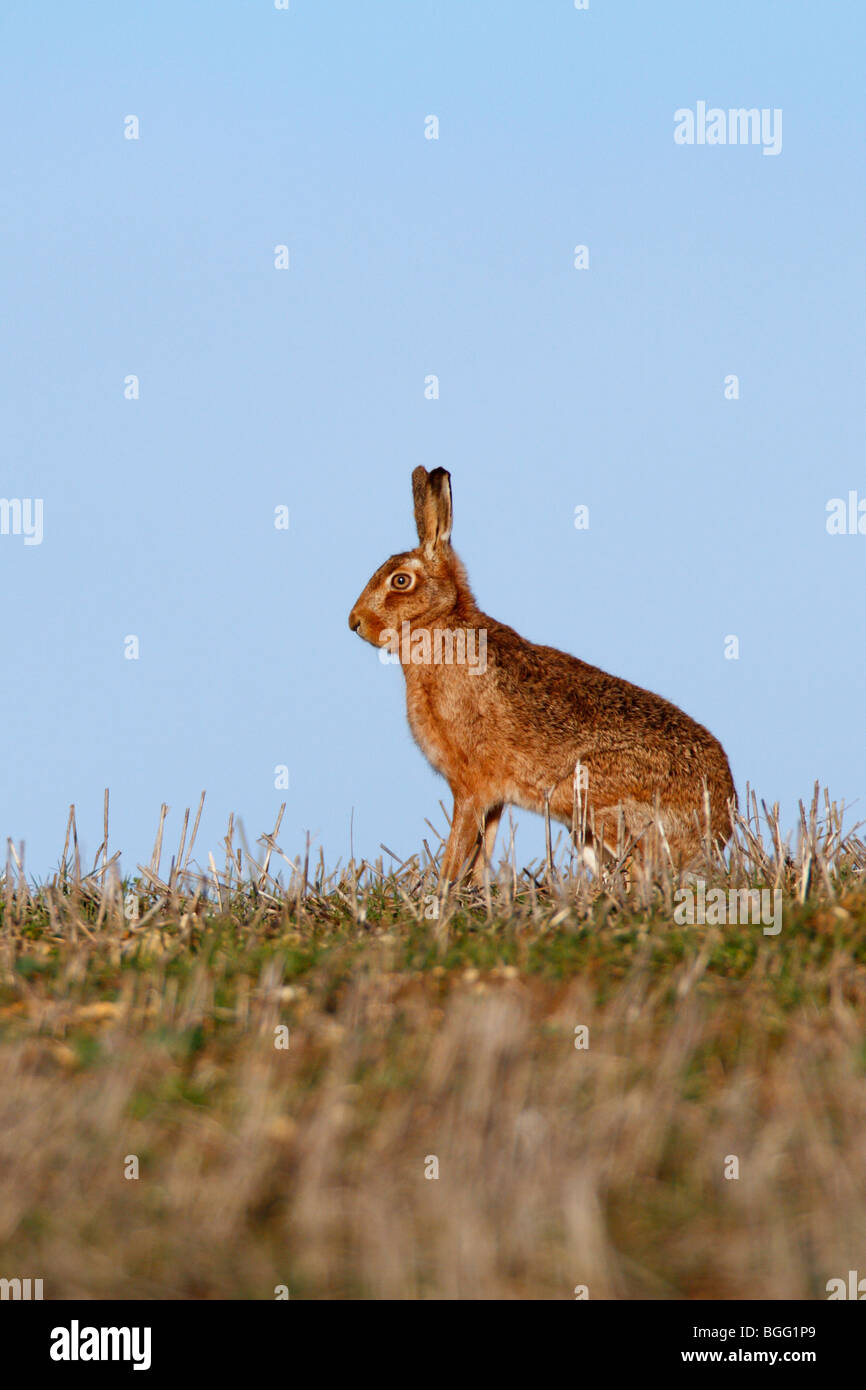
x: 508, y: 722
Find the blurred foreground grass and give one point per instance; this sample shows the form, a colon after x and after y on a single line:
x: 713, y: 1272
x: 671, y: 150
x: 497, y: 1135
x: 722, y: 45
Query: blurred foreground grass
x: 415, y: 1037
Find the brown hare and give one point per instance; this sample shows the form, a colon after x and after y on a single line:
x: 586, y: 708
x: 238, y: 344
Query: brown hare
x: 508, y: 722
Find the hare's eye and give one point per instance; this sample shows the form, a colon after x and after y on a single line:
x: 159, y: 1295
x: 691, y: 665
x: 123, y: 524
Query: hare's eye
x: 401, y: 581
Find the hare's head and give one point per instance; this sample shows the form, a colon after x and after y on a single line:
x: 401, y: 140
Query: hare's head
x: 417, y: 586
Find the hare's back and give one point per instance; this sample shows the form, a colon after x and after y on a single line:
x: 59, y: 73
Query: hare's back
x: 548, y: 690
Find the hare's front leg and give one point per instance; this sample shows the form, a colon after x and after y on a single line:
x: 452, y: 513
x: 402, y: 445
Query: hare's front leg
x: 485, y: 848
x: 466, y: 826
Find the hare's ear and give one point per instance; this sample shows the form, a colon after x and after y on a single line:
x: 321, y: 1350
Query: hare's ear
x: 431, y: 493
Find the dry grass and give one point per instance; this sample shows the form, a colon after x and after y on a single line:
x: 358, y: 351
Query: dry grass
x: 414, y: 1036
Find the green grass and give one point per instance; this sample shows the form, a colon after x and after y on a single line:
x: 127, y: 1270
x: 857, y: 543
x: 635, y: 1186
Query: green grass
x: 450, y: 1036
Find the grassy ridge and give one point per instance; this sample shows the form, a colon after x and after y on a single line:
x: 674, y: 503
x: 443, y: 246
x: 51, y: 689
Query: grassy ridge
x: 422, y: 1028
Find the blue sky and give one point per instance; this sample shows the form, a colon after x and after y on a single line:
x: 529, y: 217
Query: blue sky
x: 305, y: 387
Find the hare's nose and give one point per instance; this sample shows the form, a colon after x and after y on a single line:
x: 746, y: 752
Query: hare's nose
x: 354, y: 623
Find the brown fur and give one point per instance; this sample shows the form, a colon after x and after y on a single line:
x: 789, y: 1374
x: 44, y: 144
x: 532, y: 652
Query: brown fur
x: 514, y: 734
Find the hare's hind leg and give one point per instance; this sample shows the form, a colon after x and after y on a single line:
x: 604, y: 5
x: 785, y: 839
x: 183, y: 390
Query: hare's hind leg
x: 593, y: 830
